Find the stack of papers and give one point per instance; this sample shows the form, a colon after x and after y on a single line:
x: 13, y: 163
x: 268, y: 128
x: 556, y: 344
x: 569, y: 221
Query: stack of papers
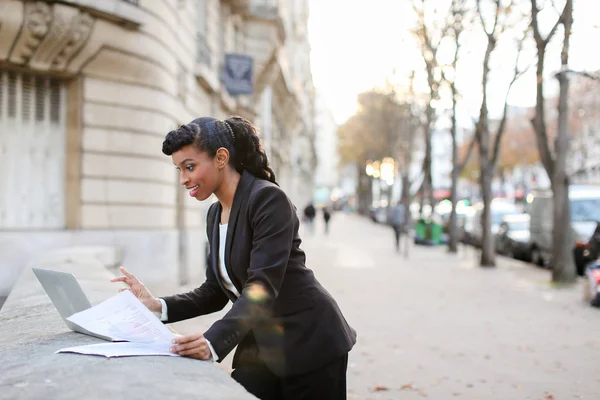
x: 125, y: 320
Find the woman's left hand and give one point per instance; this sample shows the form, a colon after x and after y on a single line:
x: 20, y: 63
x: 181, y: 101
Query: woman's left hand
x: 193, y: 345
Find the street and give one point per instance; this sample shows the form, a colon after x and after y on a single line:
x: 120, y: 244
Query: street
x: 437, y: 326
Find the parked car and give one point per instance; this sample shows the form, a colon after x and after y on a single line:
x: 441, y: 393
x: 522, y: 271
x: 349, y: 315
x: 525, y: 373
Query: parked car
x: 585, y: 215
x: 498, y: 209
x: 512, y: 238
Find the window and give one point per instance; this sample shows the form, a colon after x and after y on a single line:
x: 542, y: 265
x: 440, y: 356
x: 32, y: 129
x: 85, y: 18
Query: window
x: 32, y: 151
x: 585, y: 210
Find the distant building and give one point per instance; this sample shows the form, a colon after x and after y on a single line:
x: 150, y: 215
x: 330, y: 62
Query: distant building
x: 584, y: 159
x: 327, y: 175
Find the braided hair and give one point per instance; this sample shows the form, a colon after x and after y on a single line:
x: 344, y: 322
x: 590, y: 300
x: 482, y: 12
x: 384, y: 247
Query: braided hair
x: 236, y: 134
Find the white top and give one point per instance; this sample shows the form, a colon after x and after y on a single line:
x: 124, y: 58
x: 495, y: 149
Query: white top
x: 225, y: 279
x: 163, y: 315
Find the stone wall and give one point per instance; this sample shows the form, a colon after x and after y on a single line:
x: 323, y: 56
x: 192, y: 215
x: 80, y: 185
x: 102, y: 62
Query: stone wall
x: 32, y: 331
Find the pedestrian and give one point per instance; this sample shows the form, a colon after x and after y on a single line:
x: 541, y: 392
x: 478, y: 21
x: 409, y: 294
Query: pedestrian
x: 310, y: 212
x: 398, y: 222
x: 326, y: 218
x: 292, y: 339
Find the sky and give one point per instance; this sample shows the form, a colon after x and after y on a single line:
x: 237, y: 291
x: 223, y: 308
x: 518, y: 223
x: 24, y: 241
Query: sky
x: 355, y: 46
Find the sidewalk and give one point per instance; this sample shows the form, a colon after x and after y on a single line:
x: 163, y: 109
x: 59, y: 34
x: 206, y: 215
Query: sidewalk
x: 437, y: 326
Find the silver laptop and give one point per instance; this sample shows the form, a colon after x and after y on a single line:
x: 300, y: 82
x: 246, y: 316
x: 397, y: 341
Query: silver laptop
x: 66, y: 295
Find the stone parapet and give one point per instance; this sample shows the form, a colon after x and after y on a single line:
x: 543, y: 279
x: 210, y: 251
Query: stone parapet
x: 32, y: 331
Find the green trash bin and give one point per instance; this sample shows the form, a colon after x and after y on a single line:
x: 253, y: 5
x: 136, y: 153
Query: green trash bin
x: 436, y: 233
x: 430, y: 233
x: 420, y: 230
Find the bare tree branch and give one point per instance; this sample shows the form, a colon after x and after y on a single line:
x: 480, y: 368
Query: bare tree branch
x: 534, y: 24
x: 480, y: 14
x: 483, y: 20
x: 516, y: 76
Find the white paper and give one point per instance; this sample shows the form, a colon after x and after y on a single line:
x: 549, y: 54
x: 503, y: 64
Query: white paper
x: 123, y: 317
x: 121, y: 349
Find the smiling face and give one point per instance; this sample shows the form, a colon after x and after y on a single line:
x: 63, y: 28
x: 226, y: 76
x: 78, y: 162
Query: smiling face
x: 200, y: 173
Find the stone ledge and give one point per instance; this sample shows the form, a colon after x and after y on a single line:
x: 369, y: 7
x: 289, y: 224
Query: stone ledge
x: 32, y: 330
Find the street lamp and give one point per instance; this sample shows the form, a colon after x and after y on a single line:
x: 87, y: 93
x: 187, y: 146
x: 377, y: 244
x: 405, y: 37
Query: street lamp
x: 376, y: 169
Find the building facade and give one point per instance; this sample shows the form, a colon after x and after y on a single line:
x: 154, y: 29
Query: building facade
x: 583, y: 163
x: 89, y: 89
x: 327, y: 176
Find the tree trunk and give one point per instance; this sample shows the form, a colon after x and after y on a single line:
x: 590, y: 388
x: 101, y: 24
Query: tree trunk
x: 487, y: 240
x: 485, y: 165
x: 405, y: 200
x: 364, y: 192
x: 421, y: 193
x: 563, y: 266
x: 405, y: 195
x: 428, y: 160
x: 453, y: 228
x: 453, y: 231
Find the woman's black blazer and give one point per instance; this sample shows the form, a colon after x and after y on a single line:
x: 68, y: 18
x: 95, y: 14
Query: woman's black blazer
x: 284, y: 316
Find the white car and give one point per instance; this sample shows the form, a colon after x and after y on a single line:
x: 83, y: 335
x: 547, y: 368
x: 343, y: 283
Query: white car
x: 585, y: 215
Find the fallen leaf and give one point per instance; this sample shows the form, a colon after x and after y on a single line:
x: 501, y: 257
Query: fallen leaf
x: 549, y: 397
x: 380, y: 388
x: 407, y: 387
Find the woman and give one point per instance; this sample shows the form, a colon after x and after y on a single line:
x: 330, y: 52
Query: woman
x: 292, y: 339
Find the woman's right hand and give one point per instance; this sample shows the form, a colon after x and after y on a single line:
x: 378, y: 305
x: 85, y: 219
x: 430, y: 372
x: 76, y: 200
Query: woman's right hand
x: 138, y: 289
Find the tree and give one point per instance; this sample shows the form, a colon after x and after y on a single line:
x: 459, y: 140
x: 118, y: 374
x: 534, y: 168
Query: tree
x: 374, y: 132
x: 488, y: 150
x: 456, y: 27
x: 563, y: 266
x: 354, y: 148
x: 430, y: 36
x: 518, y: 145
x: 518, y: 148
x: 405, y: 153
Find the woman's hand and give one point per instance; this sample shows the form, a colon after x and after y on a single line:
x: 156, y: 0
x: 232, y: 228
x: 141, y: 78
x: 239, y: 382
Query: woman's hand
x: 194, y: 346
x: 138, y: 289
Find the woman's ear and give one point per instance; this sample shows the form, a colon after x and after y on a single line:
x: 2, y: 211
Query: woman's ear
x: 222, y: 157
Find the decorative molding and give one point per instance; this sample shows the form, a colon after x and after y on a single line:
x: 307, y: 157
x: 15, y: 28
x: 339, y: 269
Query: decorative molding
x: 11, y: 21
x: 36, y: 25
x: 50, y: 36
x: 81, y: 28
